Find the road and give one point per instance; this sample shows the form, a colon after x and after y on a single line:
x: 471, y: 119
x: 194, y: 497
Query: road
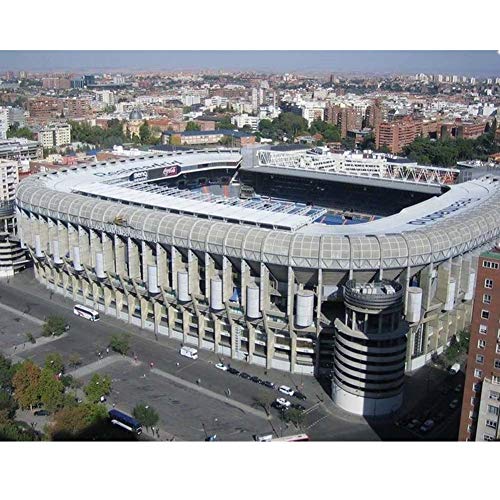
x: 183, y: 411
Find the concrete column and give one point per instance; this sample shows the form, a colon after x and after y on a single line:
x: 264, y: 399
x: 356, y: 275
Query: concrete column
x: 209, y: 274
x: 134, y: 262
x: 107, y: 299
x: 444, y: 274
x: 131, y: 306
x: 84, y: 244
x: 95, y: 245
x: 119, y: 303
x: 194, y: 275
x: 157, y: 316
x: 108, y: 254
x: 62, y: 236
x: 216, y: 334
x: 147, y: 259
x: 175, y: 265
x: 293, y: 351
x: 185, y: 324
x: 227, y: 279
x: 251, y: 342
x: 162, y: 265
x: 264, y: 288
x: 75, y: 284
x: 144, y: 311
x: 269, y: 349
x: 244, y: 280
x: 201, y: 330
x: 119, y: 251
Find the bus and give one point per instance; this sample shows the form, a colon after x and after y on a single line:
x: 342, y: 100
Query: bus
x: 86, y: 312
x: 189, y: 352
x: 126, y: 421
x: 296, y: 437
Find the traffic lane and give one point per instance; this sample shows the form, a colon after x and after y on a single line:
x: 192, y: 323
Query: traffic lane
x: 185, y: 413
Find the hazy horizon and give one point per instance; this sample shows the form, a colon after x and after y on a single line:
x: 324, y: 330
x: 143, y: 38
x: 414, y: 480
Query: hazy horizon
x: 469, y: 63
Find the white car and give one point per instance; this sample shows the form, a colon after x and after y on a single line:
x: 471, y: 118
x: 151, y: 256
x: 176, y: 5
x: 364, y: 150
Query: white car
x: 282, y: 403
x: 221, y: 366
x: 427, y: 426
x: 286, y: 390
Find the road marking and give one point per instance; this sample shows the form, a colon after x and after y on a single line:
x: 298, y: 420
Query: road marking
x: 241, y: 406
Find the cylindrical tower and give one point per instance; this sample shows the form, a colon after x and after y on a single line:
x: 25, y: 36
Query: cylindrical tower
x: 370, y: 349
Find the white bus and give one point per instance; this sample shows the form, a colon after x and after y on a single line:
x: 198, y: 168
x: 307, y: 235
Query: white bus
x: 86, y: 312
x: 189, y: 352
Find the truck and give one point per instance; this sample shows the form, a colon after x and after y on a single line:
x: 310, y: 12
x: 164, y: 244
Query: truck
x: 189, y: 352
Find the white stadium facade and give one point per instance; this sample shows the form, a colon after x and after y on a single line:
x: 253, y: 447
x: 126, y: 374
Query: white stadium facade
x: 353, y: 266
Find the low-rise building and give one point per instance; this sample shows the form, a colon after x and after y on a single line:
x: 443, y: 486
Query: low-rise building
x: 199, y: 137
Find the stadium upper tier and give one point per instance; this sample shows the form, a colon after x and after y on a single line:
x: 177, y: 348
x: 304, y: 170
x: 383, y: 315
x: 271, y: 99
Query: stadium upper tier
x: 105, y: 196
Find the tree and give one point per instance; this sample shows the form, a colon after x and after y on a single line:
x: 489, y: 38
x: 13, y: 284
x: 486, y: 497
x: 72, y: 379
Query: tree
x: 146, y: 415
x: 54, y: 325
x: 192, y: 126
x: 6, y: 372
x: 51, y: 390
x: 74, y: 360
x: 71, y: 422
x: 264, y: 400
x: 294, y: 416
x: 16, y: 131
x: 25, y: 383
x: 225, y: 123
x: 145, y: 133
x: 97, y: 387
x: 54, y: 362
x: 8, y: 405
x: 120, y: 343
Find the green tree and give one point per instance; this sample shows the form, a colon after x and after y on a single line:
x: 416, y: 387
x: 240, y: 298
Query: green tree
x: 16, y: 131
x: 294, y: 416
x: 71, y: 422
x: 225, y: 123
x: 98, y: 386
x: 51, y: 390
x: 25, y: 383
x: 54, y: 362
x: 6, y: 372
x: 264, y: 400
x: 145, y: 133
x: 54, y: 325
x: 8, y: 405
x: 74, y: 360
x: 192, y: 126
x: 146, y: 415
x: 120, y: 342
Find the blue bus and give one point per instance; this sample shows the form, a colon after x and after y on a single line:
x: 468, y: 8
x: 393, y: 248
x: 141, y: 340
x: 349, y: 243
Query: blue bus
x: 126, y: 421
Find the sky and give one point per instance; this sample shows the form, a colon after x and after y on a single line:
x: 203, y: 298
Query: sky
x: 472, y: 63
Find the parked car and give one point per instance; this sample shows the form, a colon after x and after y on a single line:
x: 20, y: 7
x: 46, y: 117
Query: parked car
x: 282, y: 404
x: 413, y: 424
x: 454, y: 368
x: 233, y: 371
x: 298, y: 406
x: 255, y: 379
x: 286, y: 390
x: 221, y: 366
x: 299, y: 395
x: 427, y: 426
x: 245, y: 376
x: 453, y: 404
x: 42, y: 413
x: 269, y: 384
x: 213, y: 437
x: 458, y: 388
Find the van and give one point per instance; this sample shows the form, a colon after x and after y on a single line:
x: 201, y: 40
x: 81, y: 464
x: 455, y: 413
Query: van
x: 189, y: 352
x: 455, y: 368
x: 263, y: 438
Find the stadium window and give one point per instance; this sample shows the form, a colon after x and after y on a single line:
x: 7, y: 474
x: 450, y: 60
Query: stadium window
x: 495, y: 380
x: 487, y: 437
x: 483, y: 329
x: 478, y: 373
x: 490, y: 265
x: 488, y: 283
x: 486, y: 298
x: 473, y: 401
x: 481, y: 344
x: 497, y: 364
x: 476, y: 387
x: 479, y: 359
x: 485, y: 314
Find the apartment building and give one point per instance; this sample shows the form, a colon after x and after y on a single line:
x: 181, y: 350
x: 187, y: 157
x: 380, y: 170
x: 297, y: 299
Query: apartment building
x: 481, y: 404
x: 397, y: 134
x: 55, y: 135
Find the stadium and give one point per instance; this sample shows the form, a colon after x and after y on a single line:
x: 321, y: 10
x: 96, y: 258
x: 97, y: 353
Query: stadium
x: 356, y: 266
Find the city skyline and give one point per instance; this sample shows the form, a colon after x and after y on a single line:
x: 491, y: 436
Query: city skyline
x: 475, y: 63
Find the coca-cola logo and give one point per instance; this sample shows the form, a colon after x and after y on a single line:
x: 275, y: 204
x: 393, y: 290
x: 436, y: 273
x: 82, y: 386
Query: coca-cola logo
x: 169, y: 171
